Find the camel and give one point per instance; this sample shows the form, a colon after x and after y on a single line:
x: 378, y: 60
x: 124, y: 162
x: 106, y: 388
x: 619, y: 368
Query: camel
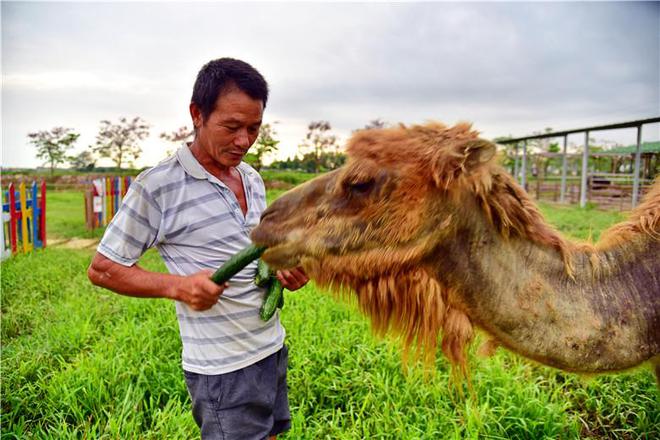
x: 435, y: 238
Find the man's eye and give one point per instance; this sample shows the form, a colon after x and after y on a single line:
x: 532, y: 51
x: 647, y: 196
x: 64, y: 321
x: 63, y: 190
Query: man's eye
x: 231, y: 127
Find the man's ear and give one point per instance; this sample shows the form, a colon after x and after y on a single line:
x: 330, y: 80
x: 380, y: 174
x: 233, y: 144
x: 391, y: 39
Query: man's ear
x: 460, y: 159
x: 196, y: 115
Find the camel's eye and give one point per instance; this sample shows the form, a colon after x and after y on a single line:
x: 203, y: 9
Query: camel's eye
x: 361, y: 188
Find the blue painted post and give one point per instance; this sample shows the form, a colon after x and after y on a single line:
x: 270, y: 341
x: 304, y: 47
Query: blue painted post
x: 35, y: 214
x: 117, y: 193
x: 36, y: 217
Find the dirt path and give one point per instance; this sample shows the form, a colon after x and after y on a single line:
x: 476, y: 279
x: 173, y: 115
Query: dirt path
x: 74, y: 243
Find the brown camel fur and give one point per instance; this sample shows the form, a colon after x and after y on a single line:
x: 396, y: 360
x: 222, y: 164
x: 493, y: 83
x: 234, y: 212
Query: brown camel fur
x: 433, y: 236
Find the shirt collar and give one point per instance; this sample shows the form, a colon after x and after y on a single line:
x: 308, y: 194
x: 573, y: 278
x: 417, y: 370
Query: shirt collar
x: 190, y: 163
x: 192, y: 166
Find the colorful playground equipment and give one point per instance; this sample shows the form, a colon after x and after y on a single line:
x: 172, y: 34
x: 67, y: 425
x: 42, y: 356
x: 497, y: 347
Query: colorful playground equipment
x: 23, y: 219
x: 103, y: 198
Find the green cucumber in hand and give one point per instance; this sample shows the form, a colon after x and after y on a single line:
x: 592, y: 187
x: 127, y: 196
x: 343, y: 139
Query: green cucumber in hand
x: 236, y: 263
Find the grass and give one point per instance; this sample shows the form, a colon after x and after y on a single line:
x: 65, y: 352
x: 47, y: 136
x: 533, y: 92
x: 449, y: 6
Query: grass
x: 82, y: 362
x: 65, y: 216
x: 583, y: 224
x: 292, y: 177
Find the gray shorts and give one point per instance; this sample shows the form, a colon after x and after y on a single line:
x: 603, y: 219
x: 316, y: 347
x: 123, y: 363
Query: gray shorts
x: 250, y: 403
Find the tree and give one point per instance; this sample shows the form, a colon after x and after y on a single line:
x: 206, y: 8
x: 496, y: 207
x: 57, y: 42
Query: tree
x: 541, y: 164
x: 333, y: 160
x: 374, y: 123
x: 265, y: 144
x: 52, y: 145
x: 183, y: 134
x: 83, y: 161
x: 119, y: 141
x: 318, y: 141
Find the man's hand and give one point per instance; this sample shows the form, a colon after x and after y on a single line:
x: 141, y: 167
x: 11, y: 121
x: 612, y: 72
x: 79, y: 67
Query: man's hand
x: 292, y: 279
x: 197, y: 290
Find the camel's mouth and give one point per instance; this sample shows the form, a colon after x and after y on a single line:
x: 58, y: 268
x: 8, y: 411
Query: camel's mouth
x: 281, y: 257
x: 284, y: 250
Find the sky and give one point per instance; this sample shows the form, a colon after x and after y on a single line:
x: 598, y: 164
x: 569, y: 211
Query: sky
x: 509, y: 68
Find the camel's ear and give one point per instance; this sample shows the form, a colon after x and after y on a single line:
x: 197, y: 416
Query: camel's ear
x: 462, y: 159
x: 477, y: 152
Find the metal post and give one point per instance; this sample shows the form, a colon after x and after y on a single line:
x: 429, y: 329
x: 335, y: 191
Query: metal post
x: 638, y: 159
x: 515, y: 163
x: 523, y: 175
x: 585, y: 169
x: 562, y: 194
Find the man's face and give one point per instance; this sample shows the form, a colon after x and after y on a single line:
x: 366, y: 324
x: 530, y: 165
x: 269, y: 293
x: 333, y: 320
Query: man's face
x: 231, y: 129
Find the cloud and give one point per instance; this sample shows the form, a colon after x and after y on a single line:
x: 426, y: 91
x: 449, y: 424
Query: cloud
x: 512, y: 68
x: 75, y: 81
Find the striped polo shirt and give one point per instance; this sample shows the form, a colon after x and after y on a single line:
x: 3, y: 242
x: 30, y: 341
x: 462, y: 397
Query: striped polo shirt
x: 195, y: 222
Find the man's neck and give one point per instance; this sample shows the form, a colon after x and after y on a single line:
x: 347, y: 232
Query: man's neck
x: 208, y: 163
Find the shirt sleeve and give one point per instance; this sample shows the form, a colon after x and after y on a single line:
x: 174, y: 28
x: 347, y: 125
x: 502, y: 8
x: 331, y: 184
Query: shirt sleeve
x: 134, y: 228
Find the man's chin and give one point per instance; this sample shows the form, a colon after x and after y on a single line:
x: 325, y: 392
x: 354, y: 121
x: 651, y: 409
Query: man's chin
x: 227, y: 163
x: 228, y: 160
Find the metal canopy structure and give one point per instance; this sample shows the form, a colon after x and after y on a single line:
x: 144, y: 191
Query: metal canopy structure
x: 585, y: 155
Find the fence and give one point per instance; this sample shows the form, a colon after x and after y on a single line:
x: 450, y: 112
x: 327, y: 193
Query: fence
x: 23, y: 219
x: 586, y: 178
x: 605, y: 190
x: 103, y: 198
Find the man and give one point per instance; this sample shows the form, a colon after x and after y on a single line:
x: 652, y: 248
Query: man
x: 198, y: 208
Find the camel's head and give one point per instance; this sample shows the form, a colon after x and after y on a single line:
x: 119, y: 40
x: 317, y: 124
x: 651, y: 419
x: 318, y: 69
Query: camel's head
x: 382, y: 211
x: 372, y: 225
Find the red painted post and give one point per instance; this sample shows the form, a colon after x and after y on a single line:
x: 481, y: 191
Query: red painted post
x: 13, y: 217
x: 42, y: 218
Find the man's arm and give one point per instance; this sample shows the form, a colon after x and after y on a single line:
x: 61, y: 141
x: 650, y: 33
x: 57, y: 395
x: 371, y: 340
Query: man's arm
x: 196, y: 290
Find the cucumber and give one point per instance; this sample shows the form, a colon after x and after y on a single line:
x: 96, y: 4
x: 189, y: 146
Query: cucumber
x: 236, y: 263
x: 273, y: 297
x: 263, y: 274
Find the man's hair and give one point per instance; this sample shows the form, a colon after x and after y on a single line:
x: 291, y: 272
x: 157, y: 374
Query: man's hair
x: 219, y: 75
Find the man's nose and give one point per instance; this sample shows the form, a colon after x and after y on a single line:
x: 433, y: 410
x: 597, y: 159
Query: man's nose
x: 242, y: 139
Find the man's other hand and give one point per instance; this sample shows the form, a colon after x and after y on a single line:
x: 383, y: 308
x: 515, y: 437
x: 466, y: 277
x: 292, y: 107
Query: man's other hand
x: 198, y: 291
x: 292, y: 279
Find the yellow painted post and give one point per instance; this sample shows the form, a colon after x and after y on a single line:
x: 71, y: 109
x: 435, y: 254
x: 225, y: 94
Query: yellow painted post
x: 26, y: 219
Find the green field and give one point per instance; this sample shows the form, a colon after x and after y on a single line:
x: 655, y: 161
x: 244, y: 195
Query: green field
x: 82, y: 362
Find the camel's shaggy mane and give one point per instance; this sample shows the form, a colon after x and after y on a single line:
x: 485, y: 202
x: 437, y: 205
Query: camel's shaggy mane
x: 420, y: 316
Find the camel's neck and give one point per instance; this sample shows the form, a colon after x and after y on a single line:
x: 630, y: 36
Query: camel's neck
x: 606, y: 317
